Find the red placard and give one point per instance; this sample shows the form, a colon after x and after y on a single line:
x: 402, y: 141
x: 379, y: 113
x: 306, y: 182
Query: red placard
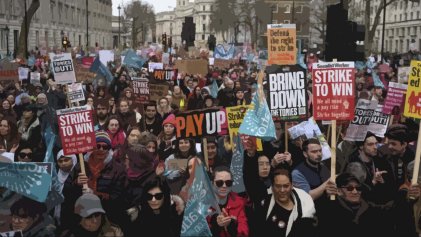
x: 76, y: 130
x: 333, y: 90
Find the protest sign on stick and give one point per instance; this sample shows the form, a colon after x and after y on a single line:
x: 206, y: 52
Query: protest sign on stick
x: 63, y: 68
x: 141, y: 89
x: 199, y: 123
x: 282, y: 48
x: 357, y: 129
x: 413, y: 109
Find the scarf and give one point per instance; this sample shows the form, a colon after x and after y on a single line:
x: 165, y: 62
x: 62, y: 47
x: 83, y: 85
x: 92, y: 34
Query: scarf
x: 95, y: 166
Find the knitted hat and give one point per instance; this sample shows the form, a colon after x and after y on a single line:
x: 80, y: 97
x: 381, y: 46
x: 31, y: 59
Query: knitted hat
x: 170, y: 119
x: 102, y: 136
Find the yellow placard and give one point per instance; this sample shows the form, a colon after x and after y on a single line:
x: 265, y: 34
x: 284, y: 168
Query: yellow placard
x: 282, y: 48
x: 235, y: 116
x: 413, y: 93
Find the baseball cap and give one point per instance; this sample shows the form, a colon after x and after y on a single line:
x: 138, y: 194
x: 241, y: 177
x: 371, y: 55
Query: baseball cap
x: 88, y: 204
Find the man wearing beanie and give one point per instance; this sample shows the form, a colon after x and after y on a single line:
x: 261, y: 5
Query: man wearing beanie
x: 105, y: 177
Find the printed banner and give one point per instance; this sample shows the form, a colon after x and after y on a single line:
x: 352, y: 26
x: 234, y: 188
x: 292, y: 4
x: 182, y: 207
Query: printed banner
x: 75, y: 92
x: 394, y: 98
x: 209, y: 122
x: 63, y: 69
x: 141, y: 89
x: 76, y: 130
x: 379, y: 122
x: 287, y: 92
x: 282, y: 49
x: 413, y: 93
x: 357, y: 129
x: 165, y: 75
x: 26, y: 178
x: 403, y: 74
x: 333, y: 90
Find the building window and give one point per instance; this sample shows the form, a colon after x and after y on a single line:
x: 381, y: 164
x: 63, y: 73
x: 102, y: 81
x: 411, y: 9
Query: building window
x: 400, y: 17
x: 204, y: 27
x: 405, y: 16
x: 412, y: 15
x: 298, y: 27
x: 36, y: 38
x: 204, y: 8
x: 204, y: 18
x: 286, y: 21
x: 46, y: 38
x: 211, y: 8
x: 299, y: 9
x: 418, y: 14
x: 203, y: 37
x: 274, y: 21
x: 287, y: 8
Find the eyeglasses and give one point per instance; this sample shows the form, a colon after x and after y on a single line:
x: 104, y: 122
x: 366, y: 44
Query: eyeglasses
x: 95, y: 215
x: 351, y: 188
x: 104, y: 147
x: 158, y: 196
x: 23, y: 155
x: 220, y: 183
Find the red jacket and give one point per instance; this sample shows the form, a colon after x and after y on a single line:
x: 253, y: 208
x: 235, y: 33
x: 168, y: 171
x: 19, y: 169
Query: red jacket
x: 235, y: 207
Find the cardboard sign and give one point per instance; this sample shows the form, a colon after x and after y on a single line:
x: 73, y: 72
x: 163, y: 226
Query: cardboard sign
x: 192, y: 66
x: 177, y: 164
x: 153, y: 66
x: 224, y: 63
x: 287, y: 92
x: 141, y: 89
x: 235, y: 116
x: 63, y: 69
x: 157, y: 91
x: 357, y: 129
x: 193, y: 124
x: 379, y: 122
x: 403, y: 74
x: 23, y: 73
x: 76, y: 130
x: 413, y: 93
x: 394, y: 98
x: 165, y: 75
x: 282, y: 49
x: 333, y: 90
x: 26, y: 178
x: 75, y: 92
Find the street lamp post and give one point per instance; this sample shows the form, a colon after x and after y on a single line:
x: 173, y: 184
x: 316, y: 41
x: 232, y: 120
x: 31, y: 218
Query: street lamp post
x: 7, y: 30
x: 119, y: 8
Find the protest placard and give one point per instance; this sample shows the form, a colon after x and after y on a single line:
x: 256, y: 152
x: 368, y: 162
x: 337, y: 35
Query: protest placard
x: 63, y: 69
x: 152, y: 66
x: 35, y: 78
x: 211, y: 61
x: 166, y: 58
x: 23, y: 73
x: 403, y: 74
x: 379, y: 122
x: 235, y: 116
x: 200, y: 123
x: 26, y: 178
x: 76, y: 130
x: 287, y: 92
x: 192, y: 66
x: 224, y: 63
x: 282, y: 48
x: 157, y: 91
x: 413, y: 93
x: 177, y: 164
x: 105, y: 56
x: 394, y: 98
x: 357, y: 129
x: 333, y: 90
x: 165, y: 75
x: 141, y: 89
x: 87, y: 62
x: 75, y: 92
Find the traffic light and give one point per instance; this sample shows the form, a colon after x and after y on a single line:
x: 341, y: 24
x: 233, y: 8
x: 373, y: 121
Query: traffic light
x: 170, y: 42
x: 164, y: 41
x: 65, y: 43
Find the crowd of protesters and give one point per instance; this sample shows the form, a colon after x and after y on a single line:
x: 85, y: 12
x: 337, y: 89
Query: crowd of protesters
x: 132, y: 192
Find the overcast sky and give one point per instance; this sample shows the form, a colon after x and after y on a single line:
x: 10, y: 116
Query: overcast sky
x: 159, y: 5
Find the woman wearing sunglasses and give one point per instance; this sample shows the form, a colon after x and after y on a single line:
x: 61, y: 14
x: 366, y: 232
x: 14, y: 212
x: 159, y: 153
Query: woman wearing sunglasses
x: 158, y: 215
x: 232, y: 220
